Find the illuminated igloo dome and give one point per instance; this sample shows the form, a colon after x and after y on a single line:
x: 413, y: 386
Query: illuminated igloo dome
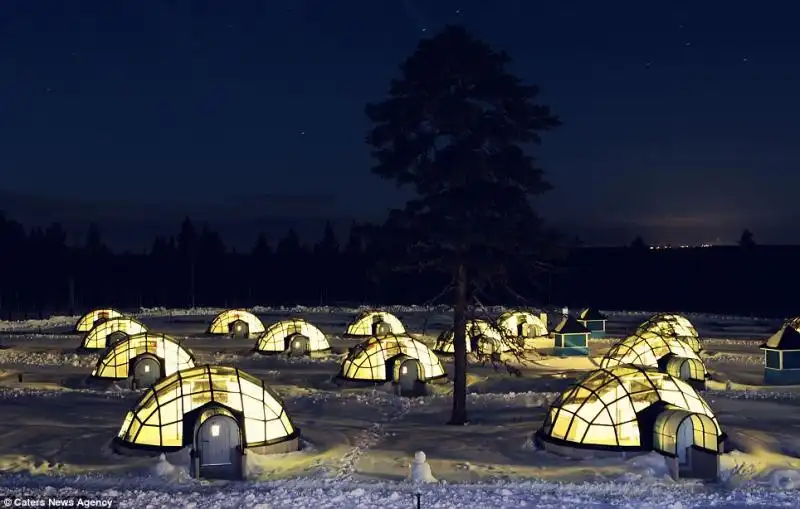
x: 374, y: 323
x: 217, y: 412
x: 482, y: 336
x: 630, y: 408
x: 522, y: 324
x: 673, y: 325
x: 106, y: 333
x: 145, y: 358
x: 296, y: 336
x: 95, y: 317
x: 237, y: 323
x: 382, y: 359
x: 650, y: 349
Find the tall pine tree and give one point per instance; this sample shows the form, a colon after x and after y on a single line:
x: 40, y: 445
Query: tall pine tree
x: 454, y: 128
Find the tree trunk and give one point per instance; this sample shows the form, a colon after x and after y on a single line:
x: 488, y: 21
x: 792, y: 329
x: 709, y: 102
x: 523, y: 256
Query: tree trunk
x: 459, y: 416
x: 192, y: 269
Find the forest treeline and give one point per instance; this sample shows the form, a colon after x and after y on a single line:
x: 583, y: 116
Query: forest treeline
x: 41, y: 275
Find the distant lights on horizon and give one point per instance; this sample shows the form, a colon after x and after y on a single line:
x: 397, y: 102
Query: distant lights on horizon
x: 681, y: 246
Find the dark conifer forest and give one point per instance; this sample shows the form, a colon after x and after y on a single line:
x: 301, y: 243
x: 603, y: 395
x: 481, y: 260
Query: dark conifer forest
x: 41, y: 274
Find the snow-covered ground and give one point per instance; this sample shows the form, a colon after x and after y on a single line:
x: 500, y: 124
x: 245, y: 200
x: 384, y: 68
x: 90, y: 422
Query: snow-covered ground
x: 358, y: 444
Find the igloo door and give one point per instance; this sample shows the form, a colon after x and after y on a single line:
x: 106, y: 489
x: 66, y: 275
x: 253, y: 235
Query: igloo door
x: 686, y: 371
x: 684, y: 441
x: 239, y: 329
x: 408, y: 377
x: 525, y: 330
x: 146, y: 371
x: 298, y: 345
x: 217, y: 451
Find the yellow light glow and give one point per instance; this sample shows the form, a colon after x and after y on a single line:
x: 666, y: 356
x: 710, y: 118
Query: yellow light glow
x: 221, y: 323
x: 673, y: 325
x: 86, y: 322
x: 97, y: 338
x: 510, y: 321
x: 665, y: 430
x: 362, y: 325
x: 686, y: 368
x: 602, y: 408
x: 274, y: 338
x: 116, y: 362
x: 490, y: 339
x: 367, y: 361
x: 157, y: 419
x: 646, y: 349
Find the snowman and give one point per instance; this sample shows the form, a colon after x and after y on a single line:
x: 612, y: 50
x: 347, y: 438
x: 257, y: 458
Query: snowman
x: 420, y: 469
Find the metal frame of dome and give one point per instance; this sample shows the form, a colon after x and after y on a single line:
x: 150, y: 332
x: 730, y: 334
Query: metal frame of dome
x: 509, y: 322
x: 671, y: 324
x: 608, y: 409
x: 367, y: 361
x: 274, y: 339
x: 97, y: 338
x: 89, y: 320
x: 162, y: 420
x: 363, y: 324
x: 117, y: 361
x: 648, y: 348
x: 691, y: 370
x: 221, y: 323
x: 478, y: 331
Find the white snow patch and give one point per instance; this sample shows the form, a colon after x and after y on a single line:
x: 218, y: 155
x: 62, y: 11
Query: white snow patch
x: 12, y: 356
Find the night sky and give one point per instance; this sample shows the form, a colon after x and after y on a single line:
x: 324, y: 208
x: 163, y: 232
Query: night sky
x: 680, y: 118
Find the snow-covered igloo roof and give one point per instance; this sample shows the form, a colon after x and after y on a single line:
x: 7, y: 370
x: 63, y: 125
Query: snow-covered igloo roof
x: 362, y: 324
x: 116, y: 362
x: 274, y: 338
x: 477, y: 330
x: 367, y: 360
x: 222, y: 322
x: 603, y: 409
x: 646, y: 348
x: 97, y: 338
x: 157, y: 419
x: 86, y: 322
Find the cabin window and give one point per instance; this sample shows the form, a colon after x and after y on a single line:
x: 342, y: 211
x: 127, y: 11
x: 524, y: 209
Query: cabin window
x: 791, y: 360
x: 772, y: 359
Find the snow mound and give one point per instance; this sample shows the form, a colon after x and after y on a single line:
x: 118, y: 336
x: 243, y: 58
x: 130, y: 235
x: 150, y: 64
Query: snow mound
x: 734, y: 393
x: 646, y: 468
x: 40, y: 324
x: 11, y: 356
x: 170, y: 472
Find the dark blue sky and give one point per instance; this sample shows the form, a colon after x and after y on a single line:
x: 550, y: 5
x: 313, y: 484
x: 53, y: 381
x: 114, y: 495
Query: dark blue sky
x: 680, y: 118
